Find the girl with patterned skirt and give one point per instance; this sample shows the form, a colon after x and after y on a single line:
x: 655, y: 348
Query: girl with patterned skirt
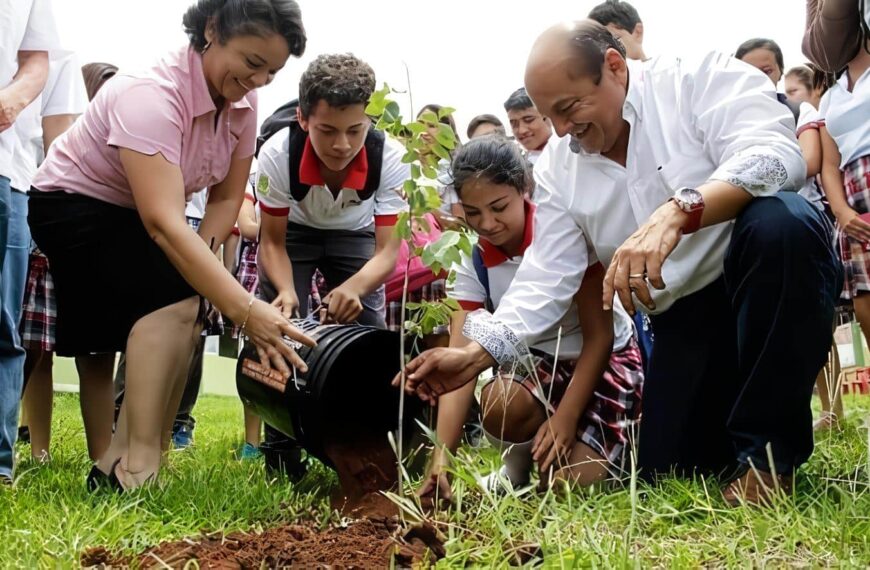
x: 572, y: 408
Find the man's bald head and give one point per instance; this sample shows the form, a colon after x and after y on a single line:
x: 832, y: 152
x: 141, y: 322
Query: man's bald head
x: 581, y: 44
x: 577, y: 77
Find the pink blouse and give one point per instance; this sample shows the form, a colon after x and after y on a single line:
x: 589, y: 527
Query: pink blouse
x: 166, y: 110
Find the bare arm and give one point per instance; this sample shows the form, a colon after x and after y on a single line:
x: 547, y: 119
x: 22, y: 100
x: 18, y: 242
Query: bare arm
x: 556, y: 437
x: 376, y: 271
x: 157, y: 187
x: 275, y: 263
x: 832, y: 178
x: 811, y: 148
x: 27, y: 84
x: 249, y: 227
x: 453, y: 407
x: 344, y: 303
x: 597, y: 327
x: 224, y: 201
x: 54, y: 126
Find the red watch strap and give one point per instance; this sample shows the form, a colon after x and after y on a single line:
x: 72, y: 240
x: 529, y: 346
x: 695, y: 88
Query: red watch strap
x: 694, y: 223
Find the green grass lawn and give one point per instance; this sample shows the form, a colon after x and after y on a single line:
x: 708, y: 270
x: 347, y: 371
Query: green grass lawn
x: 47, y: 519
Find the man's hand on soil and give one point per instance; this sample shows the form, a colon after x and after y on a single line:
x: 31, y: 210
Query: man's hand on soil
x: 442, y: 370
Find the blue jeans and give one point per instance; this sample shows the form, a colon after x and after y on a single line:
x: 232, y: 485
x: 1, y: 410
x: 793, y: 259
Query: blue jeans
x: 14, y: 249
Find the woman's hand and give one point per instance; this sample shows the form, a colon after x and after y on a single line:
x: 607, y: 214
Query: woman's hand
x: 266, y: 326
x: 853, y: 225
x: 287, y: 302
x: 554, y: 441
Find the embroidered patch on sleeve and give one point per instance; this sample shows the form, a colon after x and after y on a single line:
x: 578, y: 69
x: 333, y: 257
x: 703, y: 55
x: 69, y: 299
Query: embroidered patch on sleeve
x: 263, y: 185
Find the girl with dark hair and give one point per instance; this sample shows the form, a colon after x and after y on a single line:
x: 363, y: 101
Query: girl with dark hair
x: 570, y: 412
x: 449, y: 203
x: 845, y: 172
x: 107, y: 208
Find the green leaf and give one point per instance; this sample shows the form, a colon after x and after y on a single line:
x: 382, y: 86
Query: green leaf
x: 440, y: 152
x: 416, y: 128
x: 410, y: 157
x: 446, y: 137
x: 409, y: 187
x: 445, y: 111
x: 416, y: 173
x: 392, y: 112
x: 428, y: 117
x: 430, y: 172
x: 378, y: 101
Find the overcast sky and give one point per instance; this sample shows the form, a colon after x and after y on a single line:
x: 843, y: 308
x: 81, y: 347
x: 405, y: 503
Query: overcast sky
x: 468, y: 54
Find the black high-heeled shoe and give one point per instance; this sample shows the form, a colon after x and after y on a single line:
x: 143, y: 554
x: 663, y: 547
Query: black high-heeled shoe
x: 113, y: 480
x: 96, y: 480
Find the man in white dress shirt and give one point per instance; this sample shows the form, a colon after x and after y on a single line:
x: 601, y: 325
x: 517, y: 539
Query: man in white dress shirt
x: 671, y: 172
x: 27, y: 33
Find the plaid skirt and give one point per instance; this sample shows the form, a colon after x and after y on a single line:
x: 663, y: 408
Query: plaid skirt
x: 432, y: 292
x: 611, y: 417
x: 856, y: 254
x: 39, y: 313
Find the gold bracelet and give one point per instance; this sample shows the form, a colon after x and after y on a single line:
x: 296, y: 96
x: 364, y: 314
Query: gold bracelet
x: 248, y: 314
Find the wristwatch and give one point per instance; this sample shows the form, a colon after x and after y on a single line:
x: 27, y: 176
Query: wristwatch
x: 691, y: 202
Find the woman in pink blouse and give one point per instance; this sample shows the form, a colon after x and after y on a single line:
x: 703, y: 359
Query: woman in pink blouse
x: 107, y: 208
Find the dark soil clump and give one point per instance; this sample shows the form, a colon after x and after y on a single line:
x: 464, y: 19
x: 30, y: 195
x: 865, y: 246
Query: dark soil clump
x: 367, y: 543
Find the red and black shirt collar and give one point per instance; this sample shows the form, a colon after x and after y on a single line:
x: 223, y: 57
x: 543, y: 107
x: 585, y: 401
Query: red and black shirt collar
x: 309, y: 169
x: 493, y: 255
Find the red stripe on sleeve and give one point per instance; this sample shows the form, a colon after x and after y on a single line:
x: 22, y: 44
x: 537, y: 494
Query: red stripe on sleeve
x: 470, y: 305
x: 274, y: 211
x: 386, y: 220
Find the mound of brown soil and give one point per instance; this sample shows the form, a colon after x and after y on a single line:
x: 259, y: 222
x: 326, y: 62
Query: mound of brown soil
x: 367, y: 543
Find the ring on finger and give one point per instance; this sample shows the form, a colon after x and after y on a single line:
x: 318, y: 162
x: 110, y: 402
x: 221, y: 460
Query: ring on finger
x: 637, y: 275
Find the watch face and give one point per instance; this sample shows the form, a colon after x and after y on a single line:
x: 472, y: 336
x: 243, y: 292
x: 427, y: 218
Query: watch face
x: 689, y: 197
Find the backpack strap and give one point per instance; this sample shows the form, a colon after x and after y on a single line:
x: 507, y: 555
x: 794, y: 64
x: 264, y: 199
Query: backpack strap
x: 483, y: 277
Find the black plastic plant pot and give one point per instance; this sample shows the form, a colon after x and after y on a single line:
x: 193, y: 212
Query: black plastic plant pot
x: 345, y: 396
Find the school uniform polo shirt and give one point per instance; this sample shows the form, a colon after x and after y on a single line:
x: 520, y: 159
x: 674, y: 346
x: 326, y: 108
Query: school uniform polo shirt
x: 320, y: 208
x: 470, y: 293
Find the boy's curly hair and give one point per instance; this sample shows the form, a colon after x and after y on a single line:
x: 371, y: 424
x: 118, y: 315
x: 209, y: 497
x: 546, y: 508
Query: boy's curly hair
x: 340, y: 79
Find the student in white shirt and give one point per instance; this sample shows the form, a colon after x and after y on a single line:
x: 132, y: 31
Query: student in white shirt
x: 671, y: 175
x: 574, y: 424
x: 810, y: 140
x: 328, y: 187
x: 844, y: 129
x: 27, y: 33
x: 60, y: 104
x: 531, y: 129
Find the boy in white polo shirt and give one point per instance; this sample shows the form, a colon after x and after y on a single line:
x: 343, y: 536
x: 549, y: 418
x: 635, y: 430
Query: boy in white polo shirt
x: 329, y: 192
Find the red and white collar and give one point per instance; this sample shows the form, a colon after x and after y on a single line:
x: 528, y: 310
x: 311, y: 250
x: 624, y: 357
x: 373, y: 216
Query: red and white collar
x: 309, y: 169
x: 493, y: 255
